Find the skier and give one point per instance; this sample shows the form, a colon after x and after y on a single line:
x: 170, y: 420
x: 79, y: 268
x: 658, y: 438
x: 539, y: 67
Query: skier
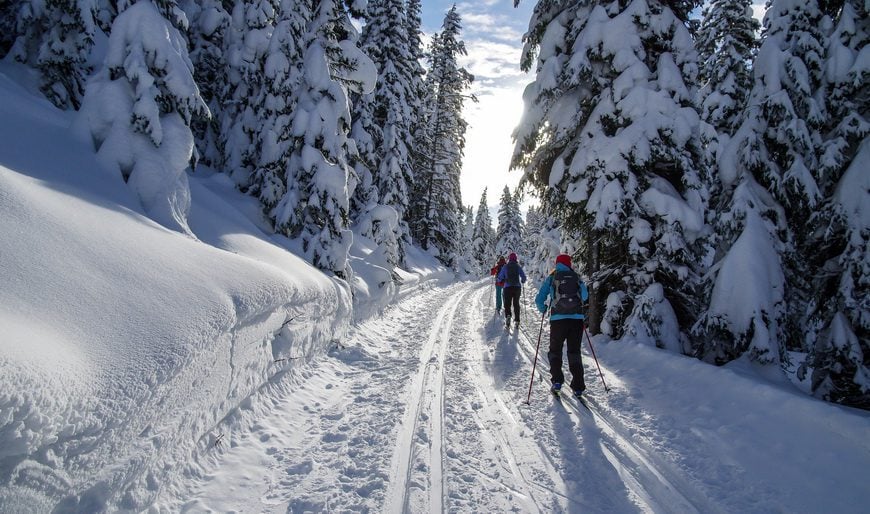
x: 564, y: 292
x: 498, y: 284
x: 513, y: 277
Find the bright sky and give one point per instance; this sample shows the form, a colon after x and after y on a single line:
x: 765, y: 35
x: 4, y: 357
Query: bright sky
x: 492, y: 31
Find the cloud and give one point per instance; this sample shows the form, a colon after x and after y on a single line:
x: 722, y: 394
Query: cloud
x: 482, y: 22
x: 492, y: 61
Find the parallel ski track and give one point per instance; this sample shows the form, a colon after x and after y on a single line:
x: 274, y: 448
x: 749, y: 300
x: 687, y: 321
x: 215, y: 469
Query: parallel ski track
x: 504, y: 426
x: 426, y: 390
x: 655, y: 484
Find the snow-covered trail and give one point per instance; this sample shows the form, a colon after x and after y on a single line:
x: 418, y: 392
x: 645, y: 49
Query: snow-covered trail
x: 423, y: 410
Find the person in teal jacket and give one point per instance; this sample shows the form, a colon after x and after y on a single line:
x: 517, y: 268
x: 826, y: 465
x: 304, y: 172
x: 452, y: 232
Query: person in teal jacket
x: 564, y: 292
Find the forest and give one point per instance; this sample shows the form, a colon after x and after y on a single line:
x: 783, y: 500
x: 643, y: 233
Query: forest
x: 708, y: 172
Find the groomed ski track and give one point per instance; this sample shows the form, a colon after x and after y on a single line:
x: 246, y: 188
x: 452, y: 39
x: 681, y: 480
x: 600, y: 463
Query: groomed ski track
x: 423, y: 410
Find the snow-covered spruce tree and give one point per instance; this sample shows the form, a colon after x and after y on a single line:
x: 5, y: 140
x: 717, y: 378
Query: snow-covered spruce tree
x: 483, y: 236
x: 420, y: 114
x: 282, y: 75
x: 726, y: 47
x: 365, y: 195
x: 768, y: 192
x: 509, y: 234
x: 243, y: 94
x: 609, y: 139
x: 415, y: 48
x: 8, y: 23
x: 209, y: 23
x: 466, y: 263
x: 838, y: 325
x: 320, y: 179
x: 386, y: 112
x: 437, y: 196
x: 532, y: 228
x: 542, y: 242
x: 137, y: 110
x: 789, y: 68
x: 466, y: 243
x: 56, y: 38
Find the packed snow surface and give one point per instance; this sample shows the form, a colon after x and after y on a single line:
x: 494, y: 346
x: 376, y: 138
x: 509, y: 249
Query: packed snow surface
x: 423, y: 410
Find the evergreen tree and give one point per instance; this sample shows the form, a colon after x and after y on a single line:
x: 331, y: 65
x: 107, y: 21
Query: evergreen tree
x: 57, y: 38
x: 726, y: 46
x: 437, y: 196
x: 509, y: 234
x: 419, y: 115
x: 365, y: 196
x: 768, y: 192
x: 532, y: 228
x: 419, y: 112
x: 282, y: 74
x: 209, y: 23
x: 609, y: 139
x: 468, y: 236
x: 319, y: 176
x: 790, y: 68
x: 466, y: 261
x: 243, y: 95
x: 8, y: 25
x: 483, y: 236
x: 541, y: 244
x: 139, y: 121
x: 838, y: 325
x: 385, y: 114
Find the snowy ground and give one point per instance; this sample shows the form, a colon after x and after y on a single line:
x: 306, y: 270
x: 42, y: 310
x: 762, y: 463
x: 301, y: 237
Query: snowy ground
x: 423, y: 410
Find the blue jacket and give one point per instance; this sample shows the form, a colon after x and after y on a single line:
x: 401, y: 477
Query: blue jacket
x: 503, y: 277
x: 546, y: 296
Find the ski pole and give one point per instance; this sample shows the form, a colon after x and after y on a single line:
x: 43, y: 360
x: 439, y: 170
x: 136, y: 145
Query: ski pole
x: 596, y: 358
x: 535, y: 362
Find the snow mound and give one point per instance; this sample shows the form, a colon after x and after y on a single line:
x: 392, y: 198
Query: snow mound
x: 125, y: 344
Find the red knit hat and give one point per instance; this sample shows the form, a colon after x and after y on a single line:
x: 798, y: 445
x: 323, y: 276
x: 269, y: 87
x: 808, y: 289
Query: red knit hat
x: 512, y: 257
x: 564, y: 259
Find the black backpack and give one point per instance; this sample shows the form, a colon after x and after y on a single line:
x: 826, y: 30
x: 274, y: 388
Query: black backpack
x: 513, y: 273
x: 566, y: 286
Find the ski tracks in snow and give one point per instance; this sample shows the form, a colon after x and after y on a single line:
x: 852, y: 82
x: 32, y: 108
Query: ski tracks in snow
x: 459, y: 447
x: 422, y: 410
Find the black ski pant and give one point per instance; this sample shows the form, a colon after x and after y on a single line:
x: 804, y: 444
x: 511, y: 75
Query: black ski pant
x: 512, y: 297
x: 566, y: 331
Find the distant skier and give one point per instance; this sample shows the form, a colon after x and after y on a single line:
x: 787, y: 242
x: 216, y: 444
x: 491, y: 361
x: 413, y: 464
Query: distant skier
x: 564, y: 292
x: 499, y: 285
x: 513, y: 277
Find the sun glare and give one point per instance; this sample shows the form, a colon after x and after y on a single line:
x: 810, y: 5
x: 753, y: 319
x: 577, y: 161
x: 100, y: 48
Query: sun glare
x: 488, y: 144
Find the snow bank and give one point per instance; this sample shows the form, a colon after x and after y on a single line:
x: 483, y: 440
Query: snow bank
x: 748, y: 444
x: 125, y: 344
